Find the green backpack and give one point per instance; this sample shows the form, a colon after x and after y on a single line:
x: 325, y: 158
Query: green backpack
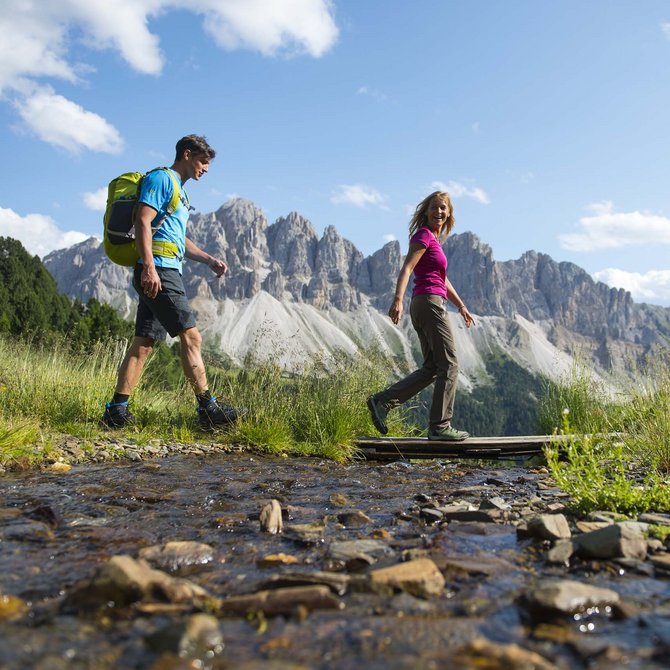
x: 119, y: 218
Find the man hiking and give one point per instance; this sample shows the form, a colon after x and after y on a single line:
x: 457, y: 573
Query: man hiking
x: 163, y: 306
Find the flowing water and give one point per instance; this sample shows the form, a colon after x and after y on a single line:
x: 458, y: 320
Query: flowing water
x: 57, y: 529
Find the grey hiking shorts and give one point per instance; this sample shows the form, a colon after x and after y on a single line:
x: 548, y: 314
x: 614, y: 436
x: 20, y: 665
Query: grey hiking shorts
x: 169, y: 312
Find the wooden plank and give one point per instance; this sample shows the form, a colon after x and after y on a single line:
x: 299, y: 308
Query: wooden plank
x: 394, y: 448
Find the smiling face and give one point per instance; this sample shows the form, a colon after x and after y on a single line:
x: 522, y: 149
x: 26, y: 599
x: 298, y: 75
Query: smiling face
x: 437, y: 214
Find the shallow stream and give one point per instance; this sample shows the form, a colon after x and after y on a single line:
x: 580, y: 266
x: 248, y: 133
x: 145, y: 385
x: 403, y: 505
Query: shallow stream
x: 56, y: 529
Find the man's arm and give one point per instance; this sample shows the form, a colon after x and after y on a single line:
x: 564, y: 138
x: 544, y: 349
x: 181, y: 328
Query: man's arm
x: 195, y: 253
x: 150, y: 280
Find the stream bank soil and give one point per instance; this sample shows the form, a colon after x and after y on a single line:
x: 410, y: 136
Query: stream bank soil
x: 243, y: 561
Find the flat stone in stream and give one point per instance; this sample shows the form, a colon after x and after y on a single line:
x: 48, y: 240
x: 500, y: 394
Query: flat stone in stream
x: 305, y: 533
x: 198, y: 638
x: 124, y: 580
x: 549, y: 527
x: 172, y: 556
x: 618, y: 540
x: 284, y: 601
x: 355, y: 553
x: 353, y: 519
x: 420, y: 577
x: 566, y: 597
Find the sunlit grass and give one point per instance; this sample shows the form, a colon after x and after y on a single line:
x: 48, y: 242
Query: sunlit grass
x: 618, y: 454
x: 57, y: 391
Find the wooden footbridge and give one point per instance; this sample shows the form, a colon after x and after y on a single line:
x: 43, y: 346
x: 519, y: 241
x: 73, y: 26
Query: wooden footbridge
x: 487, y: 448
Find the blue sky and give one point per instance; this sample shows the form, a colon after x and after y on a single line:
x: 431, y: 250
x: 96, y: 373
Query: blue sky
x: 547, y: 121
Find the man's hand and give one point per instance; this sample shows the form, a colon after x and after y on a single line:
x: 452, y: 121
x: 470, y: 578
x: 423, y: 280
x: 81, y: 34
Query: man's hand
x: 150, y: 281
x: 218, y: 267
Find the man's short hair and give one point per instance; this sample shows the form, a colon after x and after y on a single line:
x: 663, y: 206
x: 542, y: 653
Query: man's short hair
x: 198, y: 146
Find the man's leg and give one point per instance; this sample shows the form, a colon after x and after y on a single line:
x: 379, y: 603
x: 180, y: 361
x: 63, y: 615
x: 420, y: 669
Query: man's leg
x: 191, y: 360
x: 117, y: 414
x: 133, y: 364
x: 210, y: 412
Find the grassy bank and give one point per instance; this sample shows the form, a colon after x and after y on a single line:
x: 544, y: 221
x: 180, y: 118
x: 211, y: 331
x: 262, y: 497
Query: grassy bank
x: 49, y: 392
x: 618, y: 455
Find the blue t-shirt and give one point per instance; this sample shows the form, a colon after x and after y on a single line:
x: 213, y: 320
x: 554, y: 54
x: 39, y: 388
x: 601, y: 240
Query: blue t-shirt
x: 156, y: 191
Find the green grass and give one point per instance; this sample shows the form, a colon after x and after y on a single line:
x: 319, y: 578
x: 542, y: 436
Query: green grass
x: 49, y: 392
x: 618, y: 455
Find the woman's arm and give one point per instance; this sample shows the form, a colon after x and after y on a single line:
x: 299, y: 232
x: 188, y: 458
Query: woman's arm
x: 460, y: 305
x: 414, y: 253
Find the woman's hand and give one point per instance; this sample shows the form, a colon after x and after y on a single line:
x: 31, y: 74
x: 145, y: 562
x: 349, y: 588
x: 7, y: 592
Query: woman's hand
x: 395, y: 311
x: 467, y: 317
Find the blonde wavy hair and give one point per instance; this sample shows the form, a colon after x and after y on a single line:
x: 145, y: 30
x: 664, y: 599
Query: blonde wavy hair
x: 420, y: 216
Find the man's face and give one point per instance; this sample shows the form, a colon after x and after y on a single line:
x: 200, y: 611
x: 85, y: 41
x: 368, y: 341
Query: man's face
x: 198, y: 164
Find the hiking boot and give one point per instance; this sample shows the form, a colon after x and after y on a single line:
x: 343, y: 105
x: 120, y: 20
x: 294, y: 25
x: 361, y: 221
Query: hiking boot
x: 448, y: 434
x: 117, y: 415
x: 215, y: 414
x: 378, y: 412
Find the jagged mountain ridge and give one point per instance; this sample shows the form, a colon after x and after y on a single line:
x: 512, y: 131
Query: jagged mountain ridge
x: 290, y: 293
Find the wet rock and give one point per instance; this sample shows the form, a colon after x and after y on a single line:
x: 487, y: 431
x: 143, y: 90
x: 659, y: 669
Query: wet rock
x: 655, y: 519
x: 44, y: 513
x: 339, y: 500
x: 654, y: 545
x: 431, y: 515
x: 561, y: 552
x: 484, y: 653
x: 197, y: 638
x: 472, y: 565
x: 484, y: 516
x: 336, y: 582
x: 456, y: 507
x: 566, y: 597
x: 636, y: 566
x: 661, y: 564
x: 271, y: 518
x: 272, y: 560
x: 124, y: 580
x: 305, y: 533
x: 11, y: 608
x: 353, y: 519
x: 588, y: 526
x: 60, y: 466
x: 495, y: 503
x: 175, y: 555
x: 614, y: 541
x: 281, y: 601
x: 381, y: 534
x: 27, y: 531
x: 420, y: 577
x: 549, y: 527
x: 358, y: 553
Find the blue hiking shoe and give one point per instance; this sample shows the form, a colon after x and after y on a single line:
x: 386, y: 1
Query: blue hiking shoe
x: 216, y: 415
x: 117, y: 415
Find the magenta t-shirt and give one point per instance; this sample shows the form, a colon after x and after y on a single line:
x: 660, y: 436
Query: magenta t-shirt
x: 431, y: 271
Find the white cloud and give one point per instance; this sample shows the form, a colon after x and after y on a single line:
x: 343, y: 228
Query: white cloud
x: 38, y: 233
x: 389, y: 238
x: 358, y: 195
x: 65, y: 124
x: 268, y: 26
x: 652, y: 286
x: 665, y: 27
x: 373, y: 93
x: 38, y: 40
x: 96, y: 200
x: 457, y: 190
x: 609, y: 229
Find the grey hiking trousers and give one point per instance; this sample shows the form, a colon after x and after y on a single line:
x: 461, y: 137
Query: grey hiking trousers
x: 431, y: 322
